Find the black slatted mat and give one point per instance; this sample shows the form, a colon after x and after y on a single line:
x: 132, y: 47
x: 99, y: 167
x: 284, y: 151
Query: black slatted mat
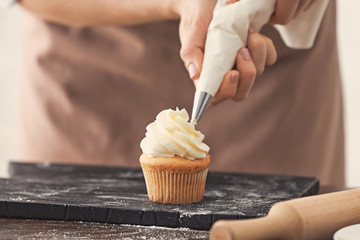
x: 118, y: 195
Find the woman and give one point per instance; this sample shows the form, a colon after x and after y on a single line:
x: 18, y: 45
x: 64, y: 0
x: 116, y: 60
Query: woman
x: 96, y: 73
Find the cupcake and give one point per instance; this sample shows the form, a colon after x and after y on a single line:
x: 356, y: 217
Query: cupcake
x: 175, y: 161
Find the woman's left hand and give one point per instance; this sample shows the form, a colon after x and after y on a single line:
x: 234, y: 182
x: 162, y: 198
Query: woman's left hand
x: 250, y: 63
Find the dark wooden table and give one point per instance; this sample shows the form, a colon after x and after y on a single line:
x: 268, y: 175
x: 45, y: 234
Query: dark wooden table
x: 44, y: 229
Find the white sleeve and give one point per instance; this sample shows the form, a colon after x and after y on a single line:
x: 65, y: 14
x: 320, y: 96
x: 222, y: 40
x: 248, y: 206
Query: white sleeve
x: 301, y: 32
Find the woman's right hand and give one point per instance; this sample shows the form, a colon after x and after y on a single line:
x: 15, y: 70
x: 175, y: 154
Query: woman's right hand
x: 195, y: 17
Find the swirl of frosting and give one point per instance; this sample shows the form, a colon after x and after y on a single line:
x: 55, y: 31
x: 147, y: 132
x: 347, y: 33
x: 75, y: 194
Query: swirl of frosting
x: 172, y: 134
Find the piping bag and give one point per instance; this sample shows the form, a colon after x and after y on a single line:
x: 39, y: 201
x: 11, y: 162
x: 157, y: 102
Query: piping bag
x: 227, y: 33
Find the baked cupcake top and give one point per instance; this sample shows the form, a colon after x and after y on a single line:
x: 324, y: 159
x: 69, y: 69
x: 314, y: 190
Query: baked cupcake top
x: 172, y: 134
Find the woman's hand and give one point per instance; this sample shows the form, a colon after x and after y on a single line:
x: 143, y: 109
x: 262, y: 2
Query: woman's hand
x: 250, y: 62
x: 195, y: 18
x: 260, y: 52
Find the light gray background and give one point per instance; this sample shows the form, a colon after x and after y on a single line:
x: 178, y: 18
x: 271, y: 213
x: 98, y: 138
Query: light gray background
x: 349, y: 48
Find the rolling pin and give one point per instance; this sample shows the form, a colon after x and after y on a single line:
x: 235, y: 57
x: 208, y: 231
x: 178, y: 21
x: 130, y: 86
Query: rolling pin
x: 309, y: 218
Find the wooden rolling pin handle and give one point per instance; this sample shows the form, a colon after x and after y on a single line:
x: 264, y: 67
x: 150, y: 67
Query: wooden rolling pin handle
x: 308, y: 218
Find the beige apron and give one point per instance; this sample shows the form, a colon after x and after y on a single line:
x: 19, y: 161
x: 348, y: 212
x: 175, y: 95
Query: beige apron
x: 88, y: 94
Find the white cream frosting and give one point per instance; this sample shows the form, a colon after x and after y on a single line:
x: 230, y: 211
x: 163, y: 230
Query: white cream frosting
x: 172, y: 134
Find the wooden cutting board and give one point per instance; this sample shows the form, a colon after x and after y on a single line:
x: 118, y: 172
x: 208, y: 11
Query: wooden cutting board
x: 118, y: 195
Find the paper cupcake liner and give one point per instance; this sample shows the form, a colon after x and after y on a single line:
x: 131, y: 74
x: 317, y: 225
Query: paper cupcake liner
x: 175, y: 188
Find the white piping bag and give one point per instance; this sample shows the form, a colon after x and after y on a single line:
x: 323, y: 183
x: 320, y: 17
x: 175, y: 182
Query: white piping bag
x: 227, y: 33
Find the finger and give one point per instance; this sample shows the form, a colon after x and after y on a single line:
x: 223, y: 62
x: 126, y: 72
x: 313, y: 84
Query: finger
x: 231, y: 1
x: 247, y: 74
x: 228, y: 87
x: 284, y: 11
x: 271, y: 55
x: 192, y: 57
x: 257, y: 47
x: 192, y: 37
